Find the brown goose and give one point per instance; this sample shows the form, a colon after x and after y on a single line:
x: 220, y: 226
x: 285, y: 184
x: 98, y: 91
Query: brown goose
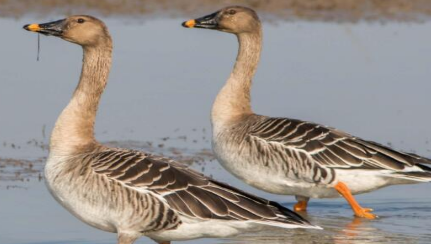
x: 289, y: 156
x: 130, y: 192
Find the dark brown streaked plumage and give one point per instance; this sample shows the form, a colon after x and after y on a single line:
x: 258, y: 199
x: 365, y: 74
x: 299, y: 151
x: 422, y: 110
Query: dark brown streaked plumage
x: 288, y: 156
x: 129, y: 192
x: 186, y: 191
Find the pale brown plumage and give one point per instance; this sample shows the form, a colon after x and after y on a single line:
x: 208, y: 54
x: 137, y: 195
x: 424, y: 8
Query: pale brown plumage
x: 288, y: 156
x: 130, y: 192
x: 186, y: 191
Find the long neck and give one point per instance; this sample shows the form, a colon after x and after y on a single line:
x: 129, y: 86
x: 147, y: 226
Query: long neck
x: 233, y: 101
x: 74, y: 129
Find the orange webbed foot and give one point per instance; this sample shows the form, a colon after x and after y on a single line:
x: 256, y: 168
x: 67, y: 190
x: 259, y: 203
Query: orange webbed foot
x: 365, y: 213
x: 357, y: 209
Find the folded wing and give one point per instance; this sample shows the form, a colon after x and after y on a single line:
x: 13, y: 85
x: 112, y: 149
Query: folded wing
x: 329, y: 147
x: 189, y: 192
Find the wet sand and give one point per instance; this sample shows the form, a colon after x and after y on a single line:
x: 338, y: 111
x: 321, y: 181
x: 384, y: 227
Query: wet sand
x: 316, y: 10
x: 20, y: 169
x: 25, y: 170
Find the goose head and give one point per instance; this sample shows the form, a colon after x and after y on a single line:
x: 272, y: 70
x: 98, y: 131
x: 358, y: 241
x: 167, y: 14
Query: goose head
x: 235, y: 19
x: 80, y: 29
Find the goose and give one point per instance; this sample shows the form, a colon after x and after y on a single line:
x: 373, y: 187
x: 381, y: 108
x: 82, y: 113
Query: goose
x: 289, y: 156
x: 130, y: 192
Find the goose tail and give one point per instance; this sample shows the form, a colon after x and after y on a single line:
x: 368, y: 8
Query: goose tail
x: 289, y: 219
x: 422, y: 173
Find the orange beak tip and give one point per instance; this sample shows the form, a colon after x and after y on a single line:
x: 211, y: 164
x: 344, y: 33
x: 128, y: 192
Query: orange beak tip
x: 190, y: 23
x: 32, y: 27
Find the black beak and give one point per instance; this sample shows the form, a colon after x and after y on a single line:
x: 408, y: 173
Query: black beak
x: 206, y: 22
x: 54, y: 28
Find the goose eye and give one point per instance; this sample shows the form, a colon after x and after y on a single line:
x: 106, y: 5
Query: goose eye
x: 80, y: 20
x: 232, y: 12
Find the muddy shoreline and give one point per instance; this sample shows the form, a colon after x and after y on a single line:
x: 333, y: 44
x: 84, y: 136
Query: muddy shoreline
x: 25, y: 170
x: 290, y: 10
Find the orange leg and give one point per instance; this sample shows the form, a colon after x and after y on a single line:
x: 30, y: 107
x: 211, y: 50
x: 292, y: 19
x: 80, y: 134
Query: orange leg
x: 302, y: 204
x: 357, y: 209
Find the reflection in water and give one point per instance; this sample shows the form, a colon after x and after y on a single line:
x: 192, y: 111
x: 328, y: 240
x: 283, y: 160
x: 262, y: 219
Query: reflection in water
x: 358, y: 231
x: 337, y: 230
x: 353, y: 228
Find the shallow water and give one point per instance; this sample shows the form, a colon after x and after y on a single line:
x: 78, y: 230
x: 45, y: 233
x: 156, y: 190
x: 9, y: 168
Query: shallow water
x: 371, y: 80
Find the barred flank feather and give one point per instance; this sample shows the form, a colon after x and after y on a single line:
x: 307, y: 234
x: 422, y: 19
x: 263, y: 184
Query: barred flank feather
x: 317, y: 149
x: 185, y: 191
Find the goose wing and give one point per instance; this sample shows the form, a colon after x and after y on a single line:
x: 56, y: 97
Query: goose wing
x: 328, y: 147
x: 189, y: 192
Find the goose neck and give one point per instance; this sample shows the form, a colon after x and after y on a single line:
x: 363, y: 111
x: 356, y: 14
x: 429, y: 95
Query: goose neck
x: 74, y: 129
x: 233, y: 101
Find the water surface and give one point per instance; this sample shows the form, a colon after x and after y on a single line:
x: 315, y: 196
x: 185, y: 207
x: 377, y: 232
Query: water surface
x: 370, y: 80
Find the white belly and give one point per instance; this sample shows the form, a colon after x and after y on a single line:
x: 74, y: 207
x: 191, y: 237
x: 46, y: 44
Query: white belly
x: 194, y: 229
x: 275, y: 181
x: 362, y: 181
x: 68, y: 194
x: 264, y: 178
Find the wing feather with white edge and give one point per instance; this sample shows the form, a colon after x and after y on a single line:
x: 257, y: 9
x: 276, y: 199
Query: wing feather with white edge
x: 331, y: 148
x: 189, y: 192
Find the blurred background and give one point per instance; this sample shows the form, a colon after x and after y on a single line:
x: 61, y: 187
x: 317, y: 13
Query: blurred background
x: 362, y: 66
x: 318, y: 10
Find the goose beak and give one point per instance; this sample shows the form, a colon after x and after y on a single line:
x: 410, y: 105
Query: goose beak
x: 206, y: 22
x: 54, y: 28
